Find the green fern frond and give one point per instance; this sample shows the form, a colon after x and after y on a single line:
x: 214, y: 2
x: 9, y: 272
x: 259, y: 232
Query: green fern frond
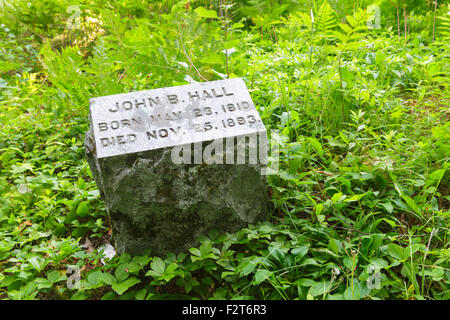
x: 444, y: 28
x: 351, y: 31
x: 299, y: 19
x: 325, y: 18
x: 359, y: 21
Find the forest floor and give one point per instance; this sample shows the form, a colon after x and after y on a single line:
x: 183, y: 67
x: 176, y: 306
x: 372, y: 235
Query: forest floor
x: 360, y: 204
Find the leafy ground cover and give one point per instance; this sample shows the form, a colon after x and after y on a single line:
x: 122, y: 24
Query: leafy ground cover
x: 359, y: 208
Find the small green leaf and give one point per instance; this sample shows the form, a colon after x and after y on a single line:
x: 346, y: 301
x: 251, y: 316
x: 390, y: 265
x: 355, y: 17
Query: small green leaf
x: 248, y: 266
x: 108, y: 278
x: 338, y: 196
x: 379, y: 263
x: 42, y: 283
x: 395, y: 251
x: 205, y: 248
x: 53, y: 276
x: 300, y: 252
x: 332, y: 245
x: 83, y: 209
x: 436, y: 175
x: 388, y: 206
x: 316, y: 144
x: 140, y: 295
x: 158, y: 265
x: 437, y: 274
x: 121, y: 272
x: 120, y: 288
x: 309, y: 261
x: 319, y: 208
x: 95, y: 278
x: 356, y: 290
x: 140, y: 260
x: 237, y: 25
x: 355, y: 197
x: 412, y: 204
x: 214, y: 58
x: 125, y: 258
x: 205, y: 13
x: 195, y: 252
x: 261, y: 275
x: 319, y: 288
x: 37, y: 262
x: 304, y: 282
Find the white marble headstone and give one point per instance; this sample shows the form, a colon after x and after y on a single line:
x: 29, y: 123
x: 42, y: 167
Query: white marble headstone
x: 167, y: 117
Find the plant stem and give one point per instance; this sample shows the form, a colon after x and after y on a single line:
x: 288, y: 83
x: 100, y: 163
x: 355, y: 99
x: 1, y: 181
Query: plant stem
x: 434, y: 17
x: 404, y: 18
x: 225, y: 29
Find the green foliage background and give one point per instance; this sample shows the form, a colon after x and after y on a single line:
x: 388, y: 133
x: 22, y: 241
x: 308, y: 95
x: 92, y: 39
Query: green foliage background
x: 363, y: 188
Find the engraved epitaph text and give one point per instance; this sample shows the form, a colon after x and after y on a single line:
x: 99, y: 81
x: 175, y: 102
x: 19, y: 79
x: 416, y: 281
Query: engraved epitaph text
x: 166, y: 117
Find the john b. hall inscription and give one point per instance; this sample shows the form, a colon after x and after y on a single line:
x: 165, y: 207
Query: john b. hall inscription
x: 160, y: 118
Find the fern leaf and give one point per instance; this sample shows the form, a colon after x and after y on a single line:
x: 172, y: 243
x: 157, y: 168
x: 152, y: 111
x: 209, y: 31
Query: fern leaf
x: 326, y: 18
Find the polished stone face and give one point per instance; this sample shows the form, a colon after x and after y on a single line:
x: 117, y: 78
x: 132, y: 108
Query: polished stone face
x: 160, y: 118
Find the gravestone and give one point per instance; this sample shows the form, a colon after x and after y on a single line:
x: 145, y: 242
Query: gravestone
x: 173, y: 163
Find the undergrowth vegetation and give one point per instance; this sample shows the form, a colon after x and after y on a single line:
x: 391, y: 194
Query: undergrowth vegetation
x: 359, y: 207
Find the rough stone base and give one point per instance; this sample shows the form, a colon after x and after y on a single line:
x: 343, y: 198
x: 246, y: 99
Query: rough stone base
x: 155, y: 204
